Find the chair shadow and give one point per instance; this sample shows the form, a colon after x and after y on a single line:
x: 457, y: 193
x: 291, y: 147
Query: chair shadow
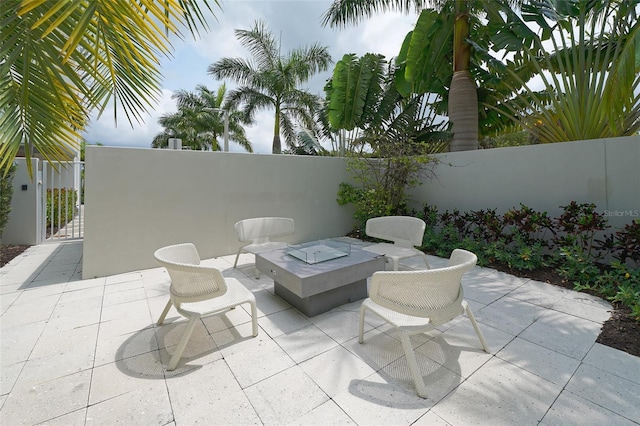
x: 398, y: 389
x: 144, y: 355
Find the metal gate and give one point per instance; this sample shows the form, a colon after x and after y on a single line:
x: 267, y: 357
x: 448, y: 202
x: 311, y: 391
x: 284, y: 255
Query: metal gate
x: 62, y: 200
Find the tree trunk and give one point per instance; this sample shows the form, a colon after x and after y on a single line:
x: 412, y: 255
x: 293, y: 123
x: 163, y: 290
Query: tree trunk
x: 463, y: 112
x: 276, y: 148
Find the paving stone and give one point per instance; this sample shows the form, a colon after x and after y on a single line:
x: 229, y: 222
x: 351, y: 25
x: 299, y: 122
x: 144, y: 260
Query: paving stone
x: 83, y: 352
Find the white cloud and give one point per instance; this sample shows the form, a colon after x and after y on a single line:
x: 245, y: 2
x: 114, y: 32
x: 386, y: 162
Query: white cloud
x: 106, y: 132
x: 298, y: 23
x: 261, y: 136
x: 379, y: 34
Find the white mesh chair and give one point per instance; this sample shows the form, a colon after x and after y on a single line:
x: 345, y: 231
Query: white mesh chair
x: 258, y: 233
x: 198, y: 291
x: 404, y: 231
x: 415, y: 302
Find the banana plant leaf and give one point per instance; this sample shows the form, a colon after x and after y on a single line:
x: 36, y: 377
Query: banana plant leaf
x: 355, y: 85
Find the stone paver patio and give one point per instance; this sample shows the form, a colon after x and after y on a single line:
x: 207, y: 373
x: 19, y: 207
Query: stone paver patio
x: 87, y: 352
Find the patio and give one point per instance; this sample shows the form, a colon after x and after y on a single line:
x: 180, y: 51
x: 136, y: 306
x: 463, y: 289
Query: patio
x: 76, y: 352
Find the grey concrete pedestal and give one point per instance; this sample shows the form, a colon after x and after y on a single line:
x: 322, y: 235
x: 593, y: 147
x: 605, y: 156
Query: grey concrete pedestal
x: 325, y: 301
x: 317, y: 288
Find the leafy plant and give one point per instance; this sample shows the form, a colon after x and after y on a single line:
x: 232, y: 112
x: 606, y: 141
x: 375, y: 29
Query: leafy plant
x: 6, y: 192
x: 483, y: 225
x: 519, y: 239
x: 577, y: 227
x: 529, y: 225
x: 62, y: 60
x: 621, y: 284
x: 389, y: 136
x: 441, y: 241
x: 61, y: 206
x: 576, y: 266
x: 373, y: 118
x: 585, y: 55
x: 520, y: 254
x: 381, y: 185
x: 624, y: 245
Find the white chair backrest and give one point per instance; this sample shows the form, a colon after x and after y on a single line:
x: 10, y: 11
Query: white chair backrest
x: 262, y: 229
x: 178, y: 253
x: 405, y: 231
x: 462, y: 257
x: 190, y: 282
x: 423, y: 293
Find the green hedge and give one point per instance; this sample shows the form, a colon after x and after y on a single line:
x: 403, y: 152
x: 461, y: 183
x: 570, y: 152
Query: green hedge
x: 61, y: 206
x: 6, y: 191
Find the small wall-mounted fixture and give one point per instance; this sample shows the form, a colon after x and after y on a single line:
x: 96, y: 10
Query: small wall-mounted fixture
x: 25, y: 187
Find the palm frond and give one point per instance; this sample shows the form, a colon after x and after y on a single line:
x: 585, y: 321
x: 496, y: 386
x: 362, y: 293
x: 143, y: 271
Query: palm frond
x: 64, y: 60
x: 344, y: 12
x: 260, y: 43
x: 590, y: 75
x: 235, y: 69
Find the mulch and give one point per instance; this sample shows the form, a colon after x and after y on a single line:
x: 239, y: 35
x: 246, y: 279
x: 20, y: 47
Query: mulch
x: 9, y: 252
x: 620, y: 331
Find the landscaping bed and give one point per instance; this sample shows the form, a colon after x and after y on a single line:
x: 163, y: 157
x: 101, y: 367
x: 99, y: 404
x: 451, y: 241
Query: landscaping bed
x: 8, y: 252
x: 620, y: 331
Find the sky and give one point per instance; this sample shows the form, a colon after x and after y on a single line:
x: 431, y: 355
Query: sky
x: 297, y: 22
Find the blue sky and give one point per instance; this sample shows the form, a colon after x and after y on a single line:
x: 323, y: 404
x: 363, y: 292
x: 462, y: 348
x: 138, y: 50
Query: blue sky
x: 298, y: 23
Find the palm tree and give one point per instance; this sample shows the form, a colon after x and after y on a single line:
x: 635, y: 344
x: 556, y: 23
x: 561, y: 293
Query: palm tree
x: 272, y: 80
x: 454, y: 25
x: 591, y: 74
x: 61, y: 60
x: 198, y: 123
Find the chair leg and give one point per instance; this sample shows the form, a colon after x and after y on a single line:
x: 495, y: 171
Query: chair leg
x: 361, y: 327
x: 164, y: 313
x: 257, y: 273
x: 396, y: 263
x: 413, y: 365
x: 182, y: 344
x: 467, y: 309
x: 237, y: 256
x: 254, y: 317
x: 426, y: 261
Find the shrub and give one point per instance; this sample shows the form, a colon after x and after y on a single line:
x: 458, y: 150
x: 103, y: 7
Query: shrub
x: 577, y: 227
x: 61, y: 206
x: 529, y: 225
x: 519, y: 254
x: 576, y: 266
x: 620, y: 284
x: 6, y: 192
x: 368, y: 203
x: 515, y: 239
x: 524, y: 239
x: 624, y: 245
x: 382, y: 184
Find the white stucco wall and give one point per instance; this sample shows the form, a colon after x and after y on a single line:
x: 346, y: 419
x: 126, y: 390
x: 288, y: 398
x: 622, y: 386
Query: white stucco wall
x: 23, y: 226
x: 137, y: 200
x: 605, y: 172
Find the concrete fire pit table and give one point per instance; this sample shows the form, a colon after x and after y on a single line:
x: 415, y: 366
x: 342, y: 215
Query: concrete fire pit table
x: 315, y: 277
